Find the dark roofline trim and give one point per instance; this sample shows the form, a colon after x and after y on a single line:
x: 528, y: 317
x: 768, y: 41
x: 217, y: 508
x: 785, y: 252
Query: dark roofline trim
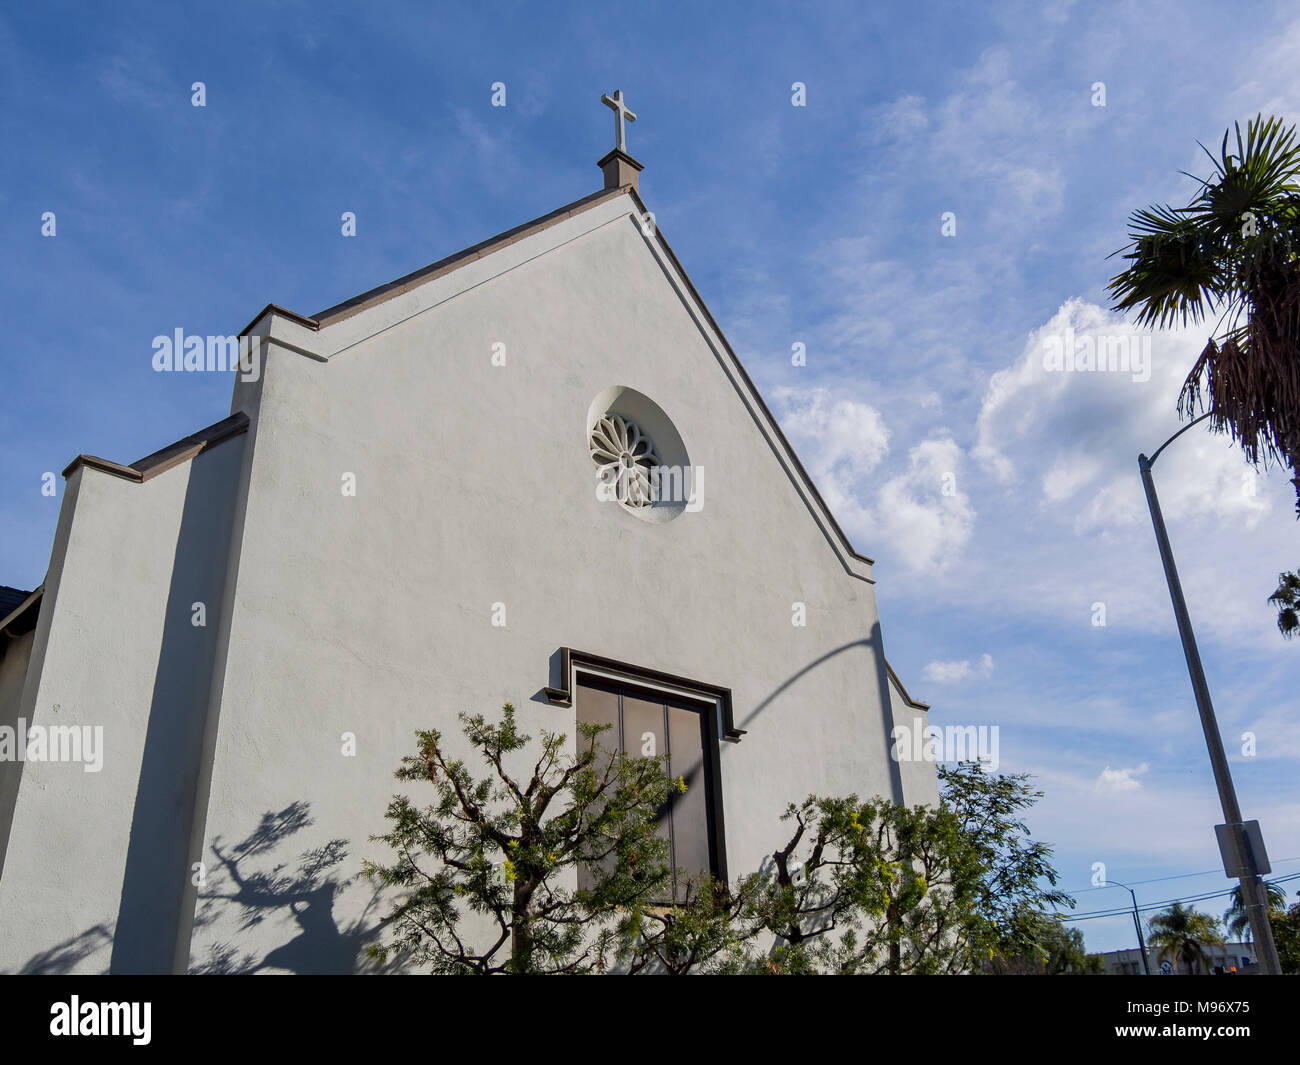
x: 172, y: 455
x: 341, y: 311
x: 283, y: 312
x: 19, y: 622
x: 906, y: 698
x: 381, y: 293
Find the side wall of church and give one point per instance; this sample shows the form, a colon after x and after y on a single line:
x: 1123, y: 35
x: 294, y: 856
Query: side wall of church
x: 98, y: 854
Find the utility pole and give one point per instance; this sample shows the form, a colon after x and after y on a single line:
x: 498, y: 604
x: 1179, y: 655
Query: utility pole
x: 1240, y: 843
x: 1137, y: 924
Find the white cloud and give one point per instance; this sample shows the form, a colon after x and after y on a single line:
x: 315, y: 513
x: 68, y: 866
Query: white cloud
x: 1069, y: 474
x: 900, y: 119
x: 1078, y: 816
x: 952, y: 672
x: 991, y: 128
x: 1273, y: 86
x: 925, y: 514
x: 1276, y: 732
x: 921, y: 517
x: 1066, y: 519
x: 1118, y: 781
x: 850, y: 438
x: 1085, y: 427
x: 840, y: 441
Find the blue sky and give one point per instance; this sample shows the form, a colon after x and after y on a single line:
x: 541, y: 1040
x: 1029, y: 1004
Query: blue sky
x: 818, y: 224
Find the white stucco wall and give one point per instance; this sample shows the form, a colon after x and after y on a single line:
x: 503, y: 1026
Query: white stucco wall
x: 16, y: 654
x: 92, y: 854
x: 920, y: 783
x: 372, y: 615
x: 13, y: 667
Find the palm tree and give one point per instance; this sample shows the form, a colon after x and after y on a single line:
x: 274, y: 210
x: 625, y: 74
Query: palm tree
x: 1287, y: 601
x: 1232, y: 252
x: 1235, y: 918
x: 1183, y: 935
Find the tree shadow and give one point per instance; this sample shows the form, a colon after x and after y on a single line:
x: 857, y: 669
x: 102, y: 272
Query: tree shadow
x: 307, y: 887
x: 64, y: 957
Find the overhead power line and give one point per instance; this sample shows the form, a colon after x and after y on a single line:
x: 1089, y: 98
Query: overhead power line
x: 1176, y: 876
x: 1124, y: 911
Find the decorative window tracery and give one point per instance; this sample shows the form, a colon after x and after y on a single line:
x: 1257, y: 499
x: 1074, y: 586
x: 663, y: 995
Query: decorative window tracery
x: 625, y: 456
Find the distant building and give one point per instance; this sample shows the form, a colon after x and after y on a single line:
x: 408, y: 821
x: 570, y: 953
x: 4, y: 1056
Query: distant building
x: 1230, y: 956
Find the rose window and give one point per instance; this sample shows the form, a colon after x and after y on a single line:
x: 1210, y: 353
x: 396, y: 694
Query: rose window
x: 625, y: 456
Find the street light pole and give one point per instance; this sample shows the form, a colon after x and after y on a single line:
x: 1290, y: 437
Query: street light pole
x: 1253, y: 893
x: 1137, y: 923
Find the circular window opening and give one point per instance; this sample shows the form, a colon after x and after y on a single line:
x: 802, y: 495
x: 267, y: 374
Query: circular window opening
x: 640, y: 460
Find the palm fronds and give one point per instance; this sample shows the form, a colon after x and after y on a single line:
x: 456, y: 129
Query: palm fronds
x: 1287, y: 601
x: 1232, y: 251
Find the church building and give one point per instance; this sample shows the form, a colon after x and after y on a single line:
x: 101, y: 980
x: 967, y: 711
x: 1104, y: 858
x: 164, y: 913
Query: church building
x: 534, y: 471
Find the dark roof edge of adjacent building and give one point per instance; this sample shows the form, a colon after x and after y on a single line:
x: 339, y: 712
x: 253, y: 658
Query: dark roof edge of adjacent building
x: 10, y: 599
x: 22, y: 618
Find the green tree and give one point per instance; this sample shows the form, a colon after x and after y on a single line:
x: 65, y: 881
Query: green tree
x: 857, y: 886
x: 1235, y: 918
x: 1184, y: 935
x: 708, y: 931
x: 499, y: 852
x: 1287, y: 601
x: 1015, y: 873
x: 1231, y: 252
x: 807, y: 887
x: 1286, y: 934
x: 1044, y: 946
x: 872, y: 887
x: 866, y: 887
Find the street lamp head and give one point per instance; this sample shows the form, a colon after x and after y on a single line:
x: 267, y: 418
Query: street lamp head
x: 1145, y: 463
